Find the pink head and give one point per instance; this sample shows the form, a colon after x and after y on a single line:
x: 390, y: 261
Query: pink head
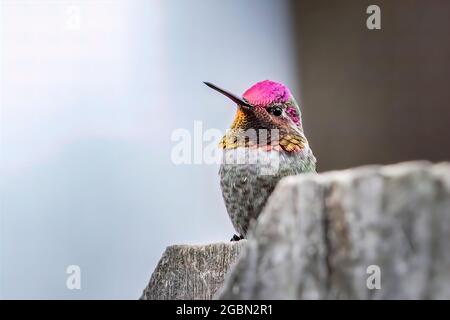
x: 266, y: 105
x: 271, y: 96
x: 270, y: 93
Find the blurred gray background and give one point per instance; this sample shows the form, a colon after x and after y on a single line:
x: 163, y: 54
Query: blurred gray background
x: 91, y: 92
x: 374, y: 96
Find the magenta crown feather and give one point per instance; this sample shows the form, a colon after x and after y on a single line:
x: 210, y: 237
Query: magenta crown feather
x: 267, y: 92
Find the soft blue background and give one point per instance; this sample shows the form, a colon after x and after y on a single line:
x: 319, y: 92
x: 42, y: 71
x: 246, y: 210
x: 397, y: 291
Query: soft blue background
x: 86, y: 114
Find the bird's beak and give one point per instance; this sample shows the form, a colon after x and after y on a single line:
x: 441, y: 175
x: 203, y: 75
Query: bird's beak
x: 239, y: 101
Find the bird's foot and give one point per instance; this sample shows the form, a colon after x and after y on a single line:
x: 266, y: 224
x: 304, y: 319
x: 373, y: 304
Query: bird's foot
x: 236, y: 238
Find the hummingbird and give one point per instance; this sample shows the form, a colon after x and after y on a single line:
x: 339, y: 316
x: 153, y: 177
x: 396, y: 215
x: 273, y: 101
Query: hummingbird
x: 265, y: 143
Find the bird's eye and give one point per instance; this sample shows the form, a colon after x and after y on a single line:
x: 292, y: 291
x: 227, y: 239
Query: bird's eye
x: 276, y: 111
